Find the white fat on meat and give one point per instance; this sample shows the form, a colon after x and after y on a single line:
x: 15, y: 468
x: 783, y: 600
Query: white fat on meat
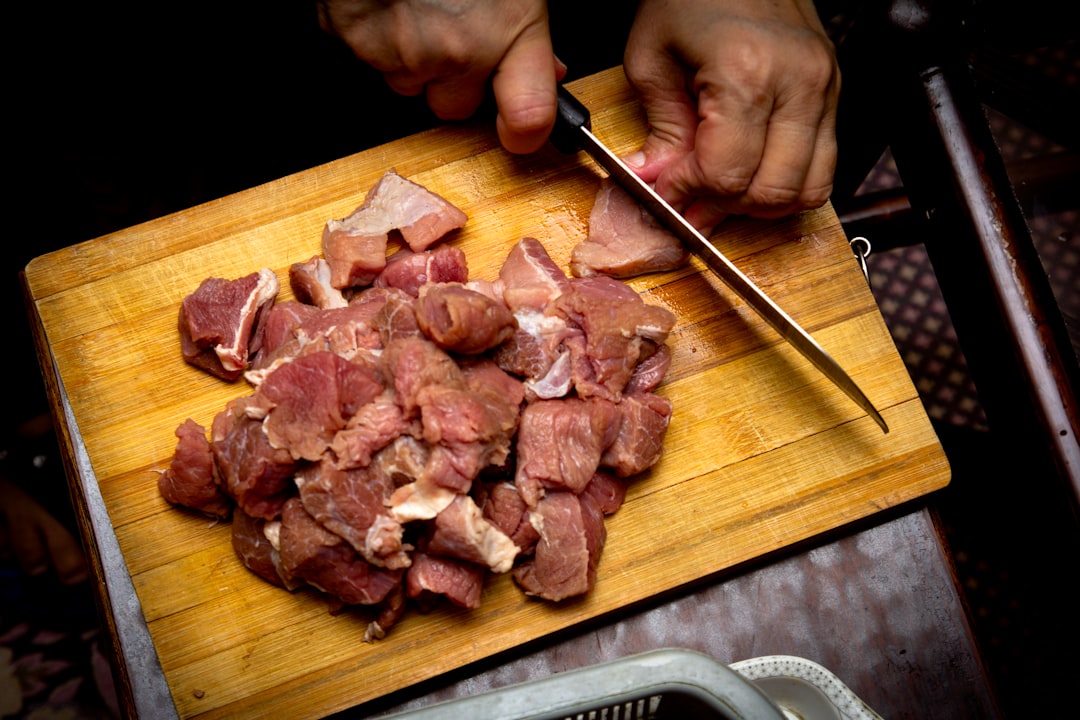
x: 310, y: 282
x: 419, y: 500
x: 462, y: 531
x: 529, y: 277
x: 272, y: 531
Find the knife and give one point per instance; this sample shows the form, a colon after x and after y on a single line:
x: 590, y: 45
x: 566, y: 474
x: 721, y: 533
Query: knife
x: 573, y: 132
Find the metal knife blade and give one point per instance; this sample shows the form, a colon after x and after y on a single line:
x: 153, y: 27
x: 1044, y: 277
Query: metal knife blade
x: 573, y: 132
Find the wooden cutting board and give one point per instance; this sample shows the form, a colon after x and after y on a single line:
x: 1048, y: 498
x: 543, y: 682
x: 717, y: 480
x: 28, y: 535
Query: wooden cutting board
x: 762, y: 451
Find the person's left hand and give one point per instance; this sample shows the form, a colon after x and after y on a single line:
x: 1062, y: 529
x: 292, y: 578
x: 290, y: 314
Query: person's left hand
x: 448, y: 49
x: 741, y: 98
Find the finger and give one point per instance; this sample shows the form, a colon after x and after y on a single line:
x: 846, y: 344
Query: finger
x: 728, y: 145
x: 671, y: 111
x: 799, y: 158
x: 524, y: 86
x: 705, y: 214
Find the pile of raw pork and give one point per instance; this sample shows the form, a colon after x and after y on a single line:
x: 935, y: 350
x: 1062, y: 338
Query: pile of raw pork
x: 411, y: 430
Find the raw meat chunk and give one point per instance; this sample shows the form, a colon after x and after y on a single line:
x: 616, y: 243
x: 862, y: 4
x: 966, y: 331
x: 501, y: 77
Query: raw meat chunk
x: 458, y: 581
x: 462, y: 532
x: 461, y: 320
x: 253, y: 547
x: 572, y: 536
x: 625, y: 240
x: 190, y: 479
x: 352, y: 504
x: 310, y: 283
x: 355, y: 247
x: 373, y: 427
x: 311, y: 398
x: 530, y: 278
x: 618, y: 328
x: 414, y: 363
x: 580, y: 429
x: 217, y: 321
x: 644, y: 419
x: 409, y: 271
x: 325, y: 561
x: 506, y: 509
x: 256, y: 475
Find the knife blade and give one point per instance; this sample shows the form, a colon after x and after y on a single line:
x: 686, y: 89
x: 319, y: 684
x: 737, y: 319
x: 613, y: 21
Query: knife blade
x: 573, y: 132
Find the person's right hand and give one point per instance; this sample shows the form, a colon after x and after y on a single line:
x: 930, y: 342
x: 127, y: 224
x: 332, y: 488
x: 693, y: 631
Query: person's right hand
x: 447, y: 50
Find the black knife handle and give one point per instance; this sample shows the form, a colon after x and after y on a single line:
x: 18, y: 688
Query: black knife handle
x: 570, y: 119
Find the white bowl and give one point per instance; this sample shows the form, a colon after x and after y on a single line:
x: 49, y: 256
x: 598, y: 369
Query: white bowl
x: 803, y: 689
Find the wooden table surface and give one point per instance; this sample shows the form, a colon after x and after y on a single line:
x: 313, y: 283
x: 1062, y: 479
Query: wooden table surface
x: 762, y: 454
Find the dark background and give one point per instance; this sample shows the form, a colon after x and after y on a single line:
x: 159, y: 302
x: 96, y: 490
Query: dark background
x: 124, y: 113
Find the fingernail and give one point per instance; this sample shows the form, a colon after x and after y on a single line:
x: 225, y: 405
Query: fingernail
x: 635, y: 160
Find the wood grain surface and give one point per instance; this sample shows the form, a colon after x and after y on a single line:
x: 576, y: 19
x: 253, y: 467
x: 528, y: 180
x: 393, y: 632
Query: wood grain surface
x: 762, y: 451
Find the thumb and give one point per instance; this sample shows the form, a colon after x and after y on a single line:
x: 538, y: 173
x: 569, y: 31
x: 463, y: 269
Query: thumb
x: 524, y: 86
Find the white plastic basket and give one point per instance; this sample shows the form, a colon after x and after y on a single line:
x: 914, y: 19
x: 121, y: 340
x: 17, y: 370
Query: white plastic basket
x: 667, y: 684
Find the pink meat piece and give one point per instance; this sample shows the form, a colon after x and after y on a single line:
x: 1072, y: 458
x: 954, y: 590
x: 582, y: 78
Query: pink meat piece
x: 310, y: 283
x: 461, y: 320
x: 353, y: 505
x: 432, y: 576
x: 462, y: 532
x: 391, y: 609
x: 277, y: 328
x: 651, y: 370
x: 255, y: 474
x: 530, y: 278
x: 346, y: 330
x: 559, y: 444
x: 253, y: 547
x: 409, y: 271
x: 624, y: 240
x: 373, y: 427
x: 403, y: 460
x: 191, y: 479
x: 322, y: 559
x: 536, y: 352
x: 351, y: 332
x: 640, y: 440
x: 312, y: 398
x: 468, y: 429
x: 606, y: 491
x: 572, y: 536
x: 218, y: 320
x: 451, y: 468
x: 411, y: 364
x: 355, y: 259
x: 506, y: 509
x: 355, y: 247
x: 398, y: 317
x: 618, y: 328
x: 483, y: 375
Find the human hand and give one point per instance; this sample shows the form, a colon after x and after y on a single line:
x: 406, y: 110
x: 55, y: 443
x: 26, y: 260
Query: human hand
x: 35, y: 539
x: 447, y: 50
x: 741, y: 99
